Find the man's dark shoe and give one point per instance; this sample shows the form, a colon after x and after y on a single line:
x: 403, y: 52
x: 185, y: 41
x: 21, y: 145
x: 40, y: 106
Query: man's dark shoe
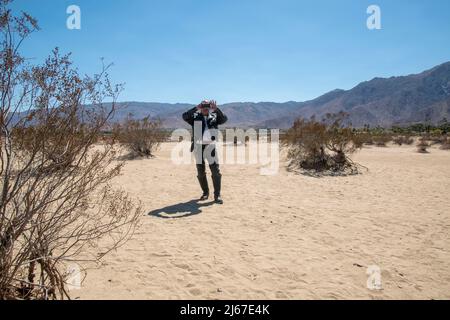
x: 218, y: 200
x: 204, y: 184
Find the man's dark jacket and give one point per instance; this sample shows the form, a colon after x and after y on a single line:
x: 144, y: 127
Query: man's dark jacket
x: 215, y: 119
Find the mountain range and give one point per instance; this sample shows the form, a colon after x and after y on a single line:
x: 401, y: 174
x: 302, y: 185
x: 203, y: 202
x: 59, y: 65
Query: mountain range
x: 403, y: 100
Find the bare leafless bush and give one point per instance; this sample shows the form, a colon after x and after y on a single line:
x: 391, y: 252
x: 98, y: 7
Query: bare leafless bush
x: 56, y: 200
x: 438, y: 139
x: 423, y: 145
x: 445, y: 143
x: 306, y: 142
x: 140, y: 137
x: 322, y: 146
x: 381, y: 139
x: 403, y: 140
x: 366, y: 138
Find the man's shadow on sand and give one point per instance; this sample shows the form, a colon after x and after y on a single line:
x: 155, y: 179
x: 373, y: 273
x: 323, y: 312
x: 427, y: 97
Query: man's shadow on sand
x: 180, y: 210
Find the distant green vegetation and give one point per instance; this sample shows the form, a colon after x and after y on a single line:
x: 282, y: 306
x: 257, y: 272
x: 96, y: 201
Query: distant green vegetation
x: 414, y: 129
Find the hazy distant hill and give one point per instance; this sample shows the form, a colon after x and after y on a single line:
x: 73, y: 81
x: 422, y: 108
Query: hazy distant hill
x: 242, y: 114
x: 140, y: 110
x: 423, y: 97
x: 239, y: 114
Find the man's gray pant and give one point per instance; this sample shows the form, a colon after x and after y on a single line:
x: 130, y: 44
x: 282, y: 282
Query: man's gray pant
x: 215, y: 172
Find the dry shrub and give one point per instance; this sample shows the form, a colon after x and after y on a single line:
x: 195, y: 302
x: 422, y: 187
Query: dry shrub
x: 381, y: 139
x: 423, y: 145
x: 403, y: 140
x: 445, y: 144
x: 57, y: 201
x: 140, y: 137
x: 438, y: 139
x: 322, y: 146
x: 63, y: 133
x: 366, y: 138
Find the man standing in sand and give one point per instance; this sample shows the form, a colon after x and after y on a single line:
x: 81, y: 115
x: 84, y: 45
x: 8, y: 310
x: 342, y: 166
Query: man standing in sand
x: 205, y: 119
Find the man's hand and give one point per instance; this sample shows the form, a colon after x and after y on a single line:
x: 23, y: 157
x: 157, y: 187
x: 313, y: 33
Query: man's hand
x: 213, y: 105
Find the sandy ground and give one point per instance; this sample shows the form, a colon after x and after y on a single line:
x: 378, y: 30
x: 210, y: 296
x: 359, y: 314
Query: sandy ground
x: 287, y: 236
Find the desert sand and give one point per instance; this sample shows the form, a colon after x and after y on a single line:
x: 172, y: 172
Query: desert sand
x: 288, y: 236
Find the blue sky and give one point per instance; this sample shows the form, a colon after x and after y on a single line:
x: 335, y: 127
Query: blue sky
x: 242, y: 50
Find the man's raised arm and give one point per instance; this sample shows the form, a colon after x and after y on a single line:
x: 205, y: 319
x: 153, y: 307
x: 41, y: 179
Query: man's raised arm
x: 188, y: 116
x: 221, y: 117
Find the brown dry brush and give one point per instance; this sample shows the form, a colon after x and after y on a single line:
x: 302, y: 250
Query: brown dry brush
x: 377, y: 137
x: 140, y: 137
x: 423, y: 145
x: 403, y: 140
x: 381, y: 139
x: 322, y: 146
x: 56, y: 200
x: 445, y: 144
x: 439, y: 138
x: 366, y: 138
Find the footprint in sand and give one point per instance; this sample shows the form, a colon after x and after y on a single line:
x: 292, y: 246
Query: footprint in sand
x: 183, y: 266
x: 195, y: 292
